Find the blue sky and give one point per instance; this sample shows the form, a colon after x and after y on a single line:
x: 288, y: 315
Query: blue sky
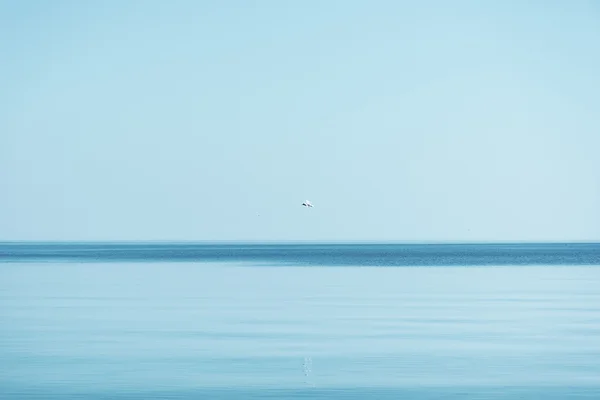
x: 214, y: 120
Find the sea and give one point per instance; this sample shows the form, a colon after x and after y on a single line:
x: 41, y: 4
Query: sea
x: 183, y: 321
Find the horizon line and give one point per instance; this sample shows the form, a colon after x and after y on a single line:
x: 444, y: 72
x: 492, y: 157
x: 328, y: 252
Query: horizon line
x: 306, y: 241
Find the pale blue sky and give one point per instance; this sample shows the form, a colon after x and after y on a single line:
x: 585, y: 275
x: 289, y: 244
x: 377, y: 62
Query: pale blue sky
x: 214, y: 120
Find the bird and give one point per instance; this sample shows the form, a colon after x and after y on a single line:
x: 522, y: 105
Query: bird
x: 307, y: 203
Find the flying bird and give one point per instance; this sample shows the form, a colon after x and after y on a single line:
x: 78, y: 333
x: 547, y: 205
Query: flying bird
x: 307, y: 203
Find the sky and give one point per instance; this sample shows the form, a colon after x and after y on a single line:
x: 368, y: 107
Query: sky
x: 215, y: 120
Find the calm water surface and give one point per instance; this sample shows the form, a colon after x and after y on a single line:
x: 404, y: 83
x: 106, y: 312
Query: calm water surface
x: 234, y: 328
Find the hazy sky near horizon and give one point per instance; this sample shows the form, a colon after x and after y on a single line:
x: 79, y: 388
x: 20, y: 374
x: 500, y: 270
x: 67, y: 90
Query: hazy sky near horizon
x: 214, y: 120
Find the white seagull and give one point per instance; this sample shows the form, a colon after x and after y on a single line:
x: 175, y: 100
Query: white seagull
x: 307, y: 203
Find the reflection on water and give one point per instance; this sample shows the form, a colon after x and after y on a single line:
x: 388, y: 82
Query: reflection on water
x: 198, y: 330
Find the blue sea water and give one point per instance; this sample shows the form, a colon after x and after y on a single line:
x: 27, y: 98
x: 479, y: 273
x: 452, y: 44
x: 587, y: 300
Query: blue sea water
x: 299, y: 321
